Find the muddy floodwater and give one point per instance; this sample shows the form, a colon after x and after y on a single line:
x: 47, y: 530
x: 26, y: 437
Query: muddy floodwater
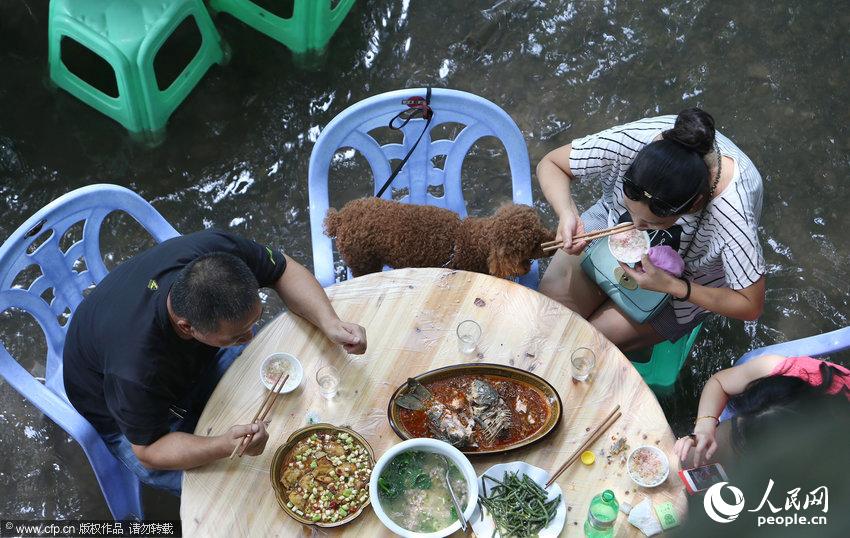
x: 773, y: 74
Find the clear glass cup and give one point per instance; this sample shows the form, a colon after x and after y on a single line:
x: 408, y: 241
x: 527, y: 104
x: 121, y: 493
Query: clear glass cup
x: 583, y: 361
x: 468, y: 335
x: 328, y: 379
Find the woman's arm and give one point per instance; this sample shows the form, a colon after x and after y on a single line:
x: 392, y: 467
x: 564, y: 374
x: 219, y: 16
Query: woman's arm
x: 553, y: 173
x: 715, y: 395
x: 554, y: 176
x: 746, y: 304
x: 304, y: 296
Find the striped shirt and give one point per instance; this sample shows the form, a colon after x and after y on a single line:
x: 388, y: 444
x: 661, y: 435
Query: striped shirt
x: 726, y: 251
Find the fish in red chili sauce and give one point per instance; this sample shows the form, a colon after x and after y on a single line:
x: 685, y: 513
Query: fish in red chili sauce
x: 514, y: 410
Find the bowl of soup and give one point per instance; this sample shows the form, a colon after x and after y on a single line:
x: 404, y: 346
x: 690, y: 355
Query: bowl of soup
x: 281, y: 364
x: 629, y: 246
x: 408, y: 488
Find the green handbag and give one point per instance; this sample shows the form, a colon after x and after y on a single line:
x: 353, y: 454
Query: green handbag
x: 639, y: 304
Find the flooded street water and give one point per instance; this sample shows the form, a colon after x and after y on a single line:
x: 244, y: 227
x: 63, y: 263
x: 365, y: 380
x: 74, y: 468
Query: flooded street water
x: 774, y: 75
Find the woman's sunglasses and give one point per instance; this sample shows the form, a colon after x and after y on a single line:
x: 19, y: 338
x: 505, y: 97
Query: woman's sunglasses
x: 659, y: 207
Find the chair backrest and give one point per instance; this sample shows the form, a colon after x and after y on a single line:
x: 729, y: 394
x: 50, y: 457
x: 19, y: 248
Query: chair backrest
x: 810, y: 346
x: 350, y: 129
x: 37, y: 243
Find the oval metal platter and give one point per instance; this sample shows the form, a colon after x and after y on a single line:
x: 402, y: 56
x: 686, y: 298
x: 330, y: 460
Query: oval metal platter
x: 516, y: 375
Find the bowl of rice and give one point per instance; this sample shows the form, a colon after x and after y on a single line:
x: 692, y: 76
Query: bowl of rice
x: 630, y: 246
x: 281, y: 363
x: 648, y: 466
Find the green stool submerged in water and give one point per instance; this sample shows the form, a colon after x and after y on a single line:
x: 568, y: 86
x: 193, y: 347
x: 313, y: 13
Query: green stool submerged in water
x: 311, y: 26
x: 667, y: 359
x: 122, y: 39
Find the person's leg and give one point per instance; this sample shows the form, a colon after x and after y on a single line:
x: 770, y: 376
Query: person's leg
x: 621, y: 330
x: 566, y: 282
x: 170, y: 481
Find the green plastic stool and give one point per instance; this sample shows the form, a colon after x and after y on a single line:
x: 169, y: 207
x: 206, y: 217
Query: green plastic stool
x: 667, y: 359
x: 311, y: 26
x: 127, y: 35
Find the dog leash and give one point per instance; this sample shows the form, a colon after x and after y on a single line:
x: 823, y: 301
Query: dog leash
x: 417, y: 107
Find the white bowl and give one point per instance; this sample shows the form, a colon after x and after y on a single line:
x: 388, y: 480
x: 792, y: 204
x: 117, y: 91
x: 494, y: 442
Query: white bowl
x: 626, y: 260
x: 661, y: 456
x: 426, y: 445
x: 485, y: 526
x: 296, y: 372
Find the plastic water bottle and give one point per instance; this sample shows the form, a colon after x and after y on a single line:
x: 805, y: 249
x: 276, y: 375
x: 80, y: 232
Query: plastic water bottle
x: 602, y: 515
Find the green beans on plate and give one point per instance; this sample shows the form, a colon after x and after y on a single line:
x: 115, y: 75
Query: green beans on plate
x: 517, y: 505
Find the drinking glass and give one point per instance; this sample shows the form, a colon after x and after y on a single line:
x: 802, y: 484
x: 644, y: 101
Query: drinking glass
x: 328, y: 379
x: 583, y: 361
x: 468, y: 334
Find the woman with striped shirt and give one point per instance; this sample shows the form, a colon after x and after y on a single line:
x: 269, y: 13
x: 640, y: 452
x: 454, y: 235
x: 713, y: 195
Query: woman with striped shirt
x: 693, y: 190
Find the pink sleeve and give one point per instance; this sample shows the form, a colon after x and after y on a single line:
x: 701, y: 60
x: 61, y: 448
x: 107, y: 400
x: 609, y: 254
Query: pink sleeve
x: 808, y: 369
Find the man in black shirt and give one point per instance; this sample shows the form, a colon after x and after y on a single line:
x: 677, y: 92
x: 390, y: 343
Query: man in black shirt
x: 143, y: 350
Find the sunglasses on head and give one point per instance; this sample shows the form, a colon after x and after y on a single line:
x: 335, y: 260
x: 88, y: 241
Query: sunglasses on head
x: 659, y: 208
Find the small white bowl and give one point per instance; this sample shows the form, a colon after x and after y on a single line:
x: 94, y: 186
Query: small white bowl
x: 661, y: 456
x: 625, y: 260
x: 296, y: 372
x: 425, y: 445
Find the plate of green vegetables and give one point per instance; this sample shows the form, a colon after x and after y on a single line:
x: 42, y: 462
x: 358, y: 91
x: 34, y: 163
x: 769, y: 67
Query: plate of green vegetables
x: 512, y: 503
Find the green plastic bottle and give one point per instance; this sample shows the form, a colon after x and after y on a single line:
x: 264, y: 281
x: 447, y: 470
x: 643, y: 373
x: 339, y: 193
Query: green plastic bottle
x: 601, y: 515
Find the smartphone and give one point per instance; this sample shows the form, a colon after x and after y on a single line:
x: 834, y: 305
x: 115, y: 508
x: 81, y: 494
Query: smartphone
x: 701, y: 478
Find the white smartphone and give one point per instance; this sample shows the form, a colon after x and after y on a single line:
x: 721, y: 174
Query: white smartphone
x: 701, y: 478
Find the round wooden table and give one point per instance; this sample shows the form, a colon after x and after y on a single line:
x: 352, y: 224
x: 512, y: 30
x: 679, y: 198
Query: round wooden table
x: 410, y: 316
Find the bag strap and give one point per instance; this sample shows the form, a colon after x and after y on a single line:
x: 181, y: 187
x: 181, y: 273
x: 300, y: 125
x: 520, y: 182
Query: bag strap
x: 417, y: 107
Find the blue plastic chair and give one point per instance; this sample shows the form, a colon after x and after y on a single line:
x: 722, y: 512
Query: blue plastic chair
x: 350, y: 129
x: 811, y: 346
x: 90, y: 204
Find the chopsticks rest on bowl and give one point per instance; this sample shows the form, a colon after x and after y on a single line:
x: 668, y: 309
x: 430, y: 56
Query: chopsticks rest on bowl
x: 609, y: 420
x: 590, y: 236
x: 262, y: 413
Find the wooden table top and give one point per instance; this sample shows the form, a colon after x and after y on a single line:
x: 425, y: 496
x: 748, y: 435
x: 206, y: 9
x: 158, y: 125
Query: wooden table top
x: 410, y: 316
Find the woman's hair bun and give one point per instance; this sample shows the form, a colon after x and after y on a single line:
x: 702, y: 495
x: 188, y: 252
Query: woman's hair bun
x: 694, y: 129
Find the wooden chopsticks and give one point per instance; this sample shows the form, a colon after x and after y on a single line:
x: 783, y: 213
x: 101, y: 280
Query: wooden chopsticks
x: 590, y: 236
x: 270, y: 399
x: 586, y: 444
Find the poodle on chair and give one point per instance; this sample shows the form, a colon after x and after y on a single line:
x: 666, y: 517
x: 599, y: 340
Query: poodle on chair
x: 372, y: 232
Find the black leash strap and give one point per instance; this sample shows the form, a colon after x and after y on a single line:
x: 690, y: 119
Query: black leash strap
x: 417, y: 107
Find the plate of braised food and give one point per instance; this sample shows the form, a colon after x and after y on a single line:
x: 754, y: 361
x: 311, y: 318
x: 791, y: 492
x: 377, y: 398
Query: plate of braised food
x: 477, y: 408
x: 321, y: 475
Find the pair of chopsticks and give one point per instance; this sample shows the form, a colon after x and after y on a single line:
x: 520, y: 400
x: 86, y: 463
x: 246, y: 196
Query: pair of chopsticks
x: 585, y: 445
x: 262, y: 412
x: 590, y: 236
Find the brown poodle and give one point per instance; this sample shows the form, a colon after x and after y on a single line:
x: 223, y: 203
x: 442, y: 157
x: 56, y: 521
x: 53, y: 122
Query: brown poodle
x: 371, y: 233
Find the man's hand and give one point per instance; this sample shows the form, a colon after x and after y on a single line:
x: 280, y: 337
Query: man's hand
x: 302, y: 293
x: 350, y: 336
x: 256, y: 441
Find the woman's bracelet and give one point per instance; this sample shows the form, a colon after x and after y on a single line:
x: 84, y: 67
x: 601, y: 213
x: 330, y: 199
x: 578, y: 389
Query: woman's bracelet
x: 688, y: 294
x: 715, y: 419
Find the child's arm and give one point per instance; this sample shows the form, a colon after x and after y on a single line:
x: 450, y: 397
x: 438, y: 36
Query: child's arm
x: 715, y: 395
